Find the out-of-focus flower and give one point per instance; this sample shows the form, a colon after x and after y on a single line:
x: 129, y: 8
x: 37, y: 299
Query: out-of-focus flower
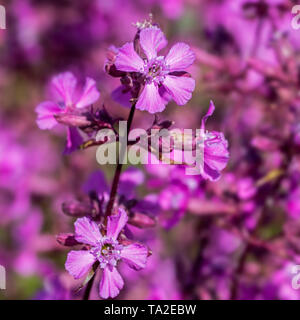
x: 107, y: 250
x: 162, y: 78
x: 219, y: 261
x: 177, y: 189
x: 53, y: 289
x: 27, y: 261
x: 174, y: 200
x: 165, y: 287
x: 68, y: 98
x: 23, y: 171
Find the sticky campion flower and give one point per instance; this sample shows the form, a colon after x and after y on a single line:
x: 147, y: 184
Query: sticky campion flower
x: 162, y: 77
x: 107, y: 250
x: 67, y: 98
x: 216, y: 153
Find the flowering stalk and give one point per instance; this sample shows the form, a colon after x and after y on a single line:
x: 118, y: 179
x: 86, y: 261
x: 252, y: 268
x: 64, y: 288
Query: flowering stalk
x: 89, y: 287
x: 112, y: 196
x: 148, y: 83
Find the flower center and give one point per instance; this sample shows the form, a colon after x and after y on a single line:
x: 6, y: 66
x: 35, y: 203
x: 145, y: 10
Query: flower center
x: 155, y: 70
x: 107, y: 252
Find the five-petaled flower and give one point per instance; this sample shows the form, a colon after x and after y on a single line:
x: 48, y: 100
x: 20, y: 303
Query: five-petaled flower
x: 68, y: 98
x: 162, y: 78
x: 107, y: 250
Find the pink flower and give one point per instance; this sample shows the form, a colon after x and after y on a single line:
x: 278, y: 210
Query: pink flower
x: 107, y: 250
x: 67, y: 98
x: 162, y: 78
x: 216, y: 153
x: 173, y: 200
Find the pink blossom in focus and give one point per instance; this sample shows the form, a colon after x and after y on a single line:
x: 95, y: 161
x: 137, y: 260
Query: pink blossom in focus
x: 161, y: 76
x: 107, y: 250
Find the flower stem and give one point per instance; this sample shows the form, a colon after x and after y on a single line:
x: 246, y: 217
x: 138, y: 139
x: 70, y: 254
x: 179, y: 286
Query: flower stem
x: 118, y: 170
x: 113, y: 194
x: 88, y: 288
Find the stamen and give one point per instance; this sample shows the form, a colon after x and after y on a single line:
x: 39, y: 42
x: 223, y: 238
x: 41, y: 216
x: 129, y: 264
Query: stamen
x: 107, y: 252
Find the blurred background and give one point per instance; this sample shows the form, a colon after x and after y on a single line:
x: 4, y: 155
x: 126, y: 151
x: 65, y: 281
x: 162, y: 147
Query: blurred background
x: 238, y: 237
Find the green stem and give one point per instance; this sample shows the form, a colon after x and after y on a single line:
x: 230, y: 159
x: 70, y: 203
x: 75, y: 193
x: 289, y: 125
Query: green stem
x: 118, y: 170
x: 113, y: 194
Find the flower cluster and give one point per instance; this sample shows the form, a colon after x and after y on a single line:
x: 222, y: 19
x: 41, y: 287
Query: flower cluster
x: 152, y: 81
x: 240, y: 203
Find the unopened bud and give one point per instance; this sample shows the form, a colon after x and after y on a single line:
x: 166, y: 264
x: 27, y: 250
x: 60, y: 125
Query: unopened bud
x: 76, y: 209
x: 113, y: 71
x: 141, y: 220
x: 264, y: 143
x: 67, y: 239
x: 109, y: 65
x: 166, y: 124
x: 72, y: 120
x: 125, y: 242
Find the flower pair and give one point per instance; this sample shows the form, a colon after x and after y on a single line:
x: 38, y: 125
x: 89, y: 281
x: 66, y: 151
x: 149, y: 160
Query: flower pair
x: 158, y: 79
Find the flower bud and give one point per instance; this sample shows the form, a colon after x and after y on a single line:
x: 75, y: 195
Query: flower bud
x: 76, y: 208
x: 109, y: 65
x: 72, y: 120
x: 67, y: 239
x: 264, y: 143
x: 141, y: 220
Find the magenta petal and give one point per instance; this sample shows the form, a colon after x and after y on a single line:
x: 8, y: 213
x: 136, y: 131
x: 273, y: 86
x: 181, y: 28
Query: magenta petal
x: 74, y: 140
x: 175, y: 200
x: 180, y: 88
x: 122, y: 95
x: 130, y: 179
x: 210, y: 174
x: 90, y: 94
x: 135, y: 255
x: 152, y: 41
x: 216, y: 155
x: 96, y: 182
x: 87, y: 231
x: 179, y: 57
x: 64, y: 86
x: 111, y: 283
x: 128, y: 60
x: 46, y: 111
x: 150, y: 99
x: 116, y: 223
x: 209, y: 113
x: 26, y: 263
x: 79, y: 263
x: 166, y: 97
